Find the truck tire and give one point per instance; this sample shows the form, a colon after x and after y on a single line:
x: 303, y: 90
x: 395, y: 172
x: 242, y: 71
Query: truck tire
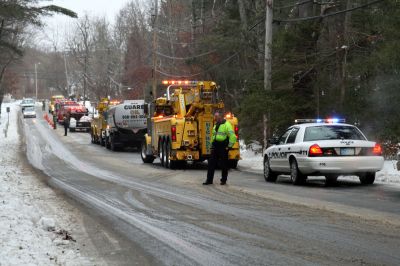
x: 112, y: 143
x: 166, y: 148
x: 107, y: 143
x: 171, y: 164
x: 146, y: 158
x: 162, y: 152
x: 101, y: 139
x: 367, y: 178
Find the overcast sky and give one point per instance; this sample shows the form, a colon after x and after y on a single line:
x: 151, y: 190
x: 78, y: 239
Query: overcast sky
x: 108, y: 8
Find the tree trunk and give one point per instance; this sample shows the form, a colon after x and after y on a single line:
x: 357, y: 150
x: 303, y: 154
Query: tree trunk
x: 243, y: 16
x: 344, y: 47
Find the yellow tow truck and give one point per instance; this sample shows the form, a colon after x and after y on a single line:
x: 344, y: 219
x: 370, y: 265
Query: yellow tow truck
x: 98, y: 125
x: 180, y: 128
x: 53, y: 100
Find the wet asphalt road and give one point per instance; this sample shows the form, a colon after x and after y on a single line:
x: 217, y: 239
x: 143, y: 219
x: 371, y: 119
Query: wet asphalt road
x: 166, y: 217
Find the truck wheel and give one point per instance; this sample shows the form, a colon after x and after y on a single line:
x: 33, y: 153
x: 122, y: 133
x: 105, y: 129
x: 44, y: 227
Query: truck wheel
x: 162, y: 152
x: 297, y: 177
x: 167, y: 153
x: 146, y: 158
x: 172, y: 164
x: 112, y: 143
x: 101, y: 139
x: 367, y: 178
x: 107, y: 143
x: 269, y: 175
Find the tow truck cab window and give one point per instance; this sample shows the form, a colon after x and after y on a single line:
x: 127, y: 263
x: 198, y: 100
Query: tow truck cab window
x: 332, y: 132
x: 292, y: 135
x: 283, y: 137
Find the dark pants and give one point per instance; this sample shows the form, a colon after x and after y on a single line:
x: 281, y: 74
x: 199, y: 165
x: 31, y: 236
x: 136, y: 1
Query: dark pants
x: 219, y: 153
x: 65, y: 129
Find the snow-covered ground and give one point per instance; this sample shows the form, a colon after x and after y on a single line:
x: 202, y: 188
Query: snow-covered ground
x: 253, y: 161
x: 36, y: 226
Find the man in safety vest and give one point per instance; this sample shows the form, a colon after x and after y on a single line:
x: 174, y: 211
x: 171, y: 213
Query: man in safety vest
x: 223, y: 138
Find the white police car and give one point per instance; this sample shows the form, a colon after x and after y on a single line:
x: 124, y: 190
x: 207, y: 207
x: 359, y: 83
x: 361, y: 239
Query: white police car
x: 322, y: 147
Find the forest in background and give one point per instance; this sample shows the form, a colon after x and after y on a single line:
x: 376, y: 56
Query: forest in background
x: 329, y: 58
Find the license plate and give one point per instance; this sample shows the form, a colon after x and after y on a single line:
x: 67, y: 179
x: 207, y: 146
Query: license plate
x: 347, y: 151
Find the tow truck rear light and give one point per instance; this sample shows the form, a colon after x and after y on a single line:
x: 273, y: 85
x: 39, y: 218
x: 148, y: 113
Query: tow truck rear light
x: 179, y: 82
x: 315, y: 150
x: 173, y: 133
x: 377, y: 150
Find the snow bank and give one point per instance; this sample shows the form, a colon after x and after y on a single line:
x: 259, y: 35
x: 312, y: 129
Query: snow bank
x: 31, y: 216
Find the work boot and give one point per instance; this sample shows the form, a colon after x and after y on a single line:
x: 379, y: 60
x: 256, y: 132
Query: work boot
x: 207, y: 183
x: 223, y: 183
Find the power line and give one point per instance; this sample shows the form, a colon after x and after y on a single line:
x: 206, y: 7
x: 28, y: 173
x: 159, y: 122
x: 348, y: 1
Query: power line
x: 328, y: 15
x: 185, y: 58
x: 199, y: 73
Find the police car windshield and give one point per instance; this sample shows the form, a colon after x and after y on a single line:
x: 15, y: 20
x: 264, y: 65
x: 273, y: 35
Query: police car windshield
x: 330, y: 132
x: 29, y: 108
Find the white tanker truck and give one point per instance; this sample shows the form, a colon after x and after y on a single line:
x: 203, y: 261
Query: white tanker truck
x: 126, y: 125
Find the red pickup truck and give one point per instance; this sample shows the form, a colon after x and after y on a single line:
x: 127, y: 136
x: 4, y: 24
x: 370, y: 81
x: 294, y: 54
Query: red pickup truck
x: 71, y: 108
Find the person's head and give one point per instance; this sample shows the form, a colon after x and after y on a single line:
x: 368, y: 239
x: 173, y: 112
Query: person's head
x: 218, y: 116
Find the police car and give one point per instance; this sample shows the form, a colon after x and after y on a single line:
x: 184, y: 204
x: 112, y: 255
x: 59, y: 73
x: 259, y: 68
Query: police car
x: 322, y: 147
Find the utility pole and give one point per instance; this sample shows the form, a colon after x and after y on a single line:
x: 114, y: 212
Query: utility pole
x: 155, y: 31
x: 267, y: 62
x: 36, y: 87
x: 66, y: 74
x: 268, y: 45
x: 85, y: 75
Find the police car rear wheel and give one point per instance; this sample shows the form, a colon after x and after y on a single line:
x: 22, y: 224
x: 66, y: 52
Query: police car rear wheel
x: 269, y: 176
x: 367, y: 178
x: 331, y: 180
x: 295, y: 175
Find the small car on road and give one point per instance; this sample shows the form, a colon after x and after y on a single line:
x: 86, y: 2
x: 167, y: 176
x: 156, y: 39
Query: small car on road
x: 29, y: 111
x: 319, y: 147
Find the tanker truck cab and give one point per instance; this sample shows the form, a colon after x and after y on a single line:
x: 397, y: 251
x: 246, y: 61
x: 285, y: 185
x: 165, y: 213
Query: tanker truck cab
x: 180, y: 128
x: 126, y: 125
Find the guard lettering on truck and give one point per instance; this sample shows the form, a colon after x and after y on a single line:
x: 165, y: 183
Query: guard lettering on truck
x: 129, y: 107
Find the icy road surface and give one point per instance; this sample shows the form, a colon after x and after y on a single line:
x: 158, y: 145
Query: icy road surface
x: 169, y: 218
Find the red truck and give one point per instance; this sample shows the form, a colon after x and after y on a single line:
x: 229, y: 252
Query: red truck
x: 75, y: 111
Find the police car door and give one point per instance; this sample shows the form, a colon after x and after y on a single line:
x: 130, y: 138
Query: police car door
x: 278, y: 159
x: 289, y: 148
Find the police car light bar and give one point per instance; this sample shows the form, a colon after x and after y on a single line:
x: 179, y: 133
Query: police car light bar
x: 329, y: 120
x: 179, y: 82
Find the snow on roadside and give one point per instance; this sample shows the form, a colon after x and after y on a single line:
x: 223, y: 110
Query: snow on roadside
x: 252, y: 160
x: 34, y: 223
